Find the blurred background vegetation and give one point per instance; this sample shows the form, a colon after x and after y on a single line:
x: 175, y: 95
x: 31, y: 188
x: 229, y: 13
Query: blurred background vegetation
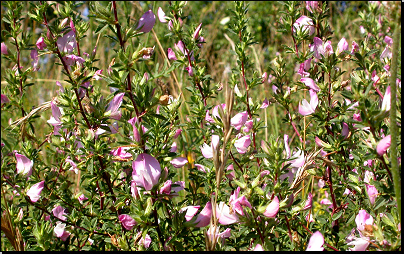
x: 214, y: 15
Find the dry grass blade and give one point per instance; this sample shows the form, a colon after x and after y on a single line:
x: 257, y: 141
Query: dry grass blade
x: 41, y: 108
x: 302, y: 171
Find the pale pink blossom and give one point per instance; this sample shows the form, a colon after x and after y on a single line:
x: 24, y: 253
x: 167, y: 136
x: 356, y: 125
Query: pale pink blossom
x: 201, y: 168
x: 265, y: 104
x: 355, y: 47
x: 72, y: 164
x: 127, y: 222
x: 239, y: 120
x: 317, y: 47
x: 207, y: 151
x: 24, y: 165
x: 190, y: 211
x: 35, y: 60
x: 316, y: 242
x: 162, y: 16
x: 362, y: 219
x: 237, y: 202
x: 179, y: 162
x: 146, y: 241
x: 310, y: 83
x: 146, y: 171
x: 67, y: 43
x: 40, y: 43
x: 305, y: 24
x: 224, y: 215
x: 272, y: 209
x: 196, y: 33
x: 213, y: 233
x: 258, y: 247
x: 113, y: 106
x: 307, y: 109
x: 372, y: 193
x: 82, y: 198
x: 60, y: 231
x: 59, y: 212
x: 386, y: 103
x: 4, y: 49
x: 309, y: 201
x: 342, y: 46
x: 121, y: 153
x: 203, y: 218
x: 34, y: 192
x: 299, y: 159
x: 242, y: 144
x: 360, y: 244
x: 383, y: 145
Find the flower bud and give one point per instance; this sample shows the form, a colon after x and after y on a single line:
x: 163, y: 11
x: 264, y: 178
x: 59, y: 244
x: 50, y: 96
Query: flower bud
x: 4, y: 50
x: 146, y: 22
x: 40, y: 44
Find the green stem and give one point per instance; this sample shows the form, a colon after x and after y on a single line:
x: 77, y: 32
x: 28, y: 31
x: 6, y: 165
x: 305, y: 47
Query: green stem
x: 393, y: 121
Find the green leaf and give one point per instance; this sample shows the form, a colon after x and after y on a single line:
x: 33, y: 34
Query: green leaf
x: 337, y: 215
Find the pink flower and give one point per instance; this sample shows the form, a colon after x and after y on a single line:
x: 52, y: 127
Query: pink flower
x: 307, y: 109
x: 55, y: 118
x: 177, y: 133
x: 60, y: 231
x: 362, y: 219
x: 207, y: 151
x: 272, y: 209
x: 369, y: 176
x: 321, y: 183
x: 201, y: 168
x: 328, y: 48
x: 383, y: 145
x: 264, y: 77
x: 146, y: 241
x: 179, y: 162
x: 4, y: 99
x: 386, y: 53
x: 34, y: 192
x: 82, y: 198
x: 316, y: 242
x: 190, y: 211
x: 196, y: 33
x: 4, y: 50
x: 59, y: 212
x: 40, y: 43
x: 203, y: 218
x: 355, y: 47
x: 265, y: 104
x: 35, y: 59
x: 309, y: 218
x: 121, y: 153
x: 239, y: 120
x: 146, y: 22
x: 190, y: 71
x: 231, y: 174
x: 310, y: 83
x: 258, y: 247
x: 360, y: 244
x: 311, y: 6
x: 342, y: 46
x: 171, y: 54
x: 357, y: 117
x: 127, y: 222
x: 173, y: 148
x: 345, y: 130
x: 146, y: 171
x: 24, y: 165
x: 213, y: 233
x: 113, y: 106
x: 224, y: 215
x: 317, y: 47
x: 386, y: 103
x: 134, y: 122
x: 72, y: 164
x: 237, y: 203
x: 248, y: 126
x: 162, y: 16
x: 201, y: 39
x: 302, y: 72
x: 97, y: 75
x: 309, y: 202
x: 67, y: 43
x: 388, y: 40
x: 242, y: 144
x: 372, y: 193
x: 305, y: 24
x: 299, y: 159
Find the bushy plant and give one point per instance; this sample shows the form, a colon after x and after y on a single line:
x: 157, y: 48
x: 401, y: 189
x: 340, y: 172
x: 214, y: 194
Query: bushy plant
x: 148, y: 143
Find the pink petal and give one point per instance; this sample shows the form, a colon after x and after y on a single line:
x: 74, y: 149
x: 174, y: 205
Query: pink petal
x: 310, y: 83
x: 34, y: 192
x: 146, y: 22
x: 316, y: 242
x: 272, y: 209
x: 161, y: 15
x: 383, y: 145
x: 146, y: 171
x: 179, y: 162
x: 203, y: 218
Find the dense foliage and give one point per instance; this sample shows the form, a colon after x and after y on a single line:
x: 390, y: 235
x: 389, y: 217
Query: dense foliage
x: 200, y: 125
